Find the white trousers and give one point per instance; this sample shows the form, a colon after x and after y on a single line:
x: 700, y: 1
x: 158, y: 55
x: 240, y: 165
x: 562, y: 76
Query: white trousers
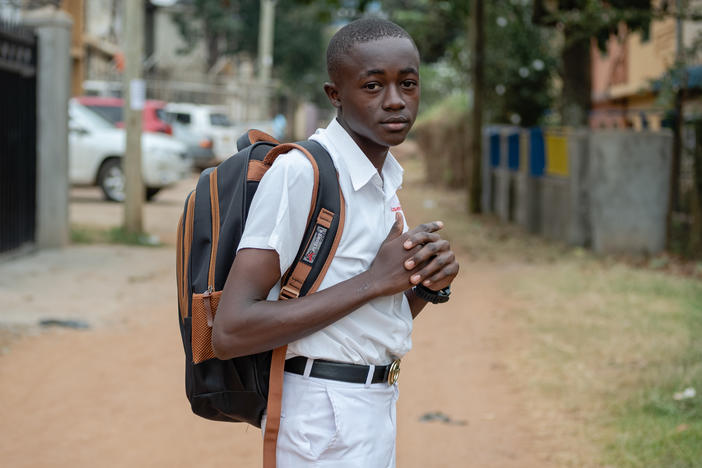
x: 326, y: 423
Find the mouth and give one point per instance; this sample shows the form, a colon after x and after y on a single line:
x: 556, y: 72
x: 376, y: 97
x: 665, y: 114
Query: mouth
x: 396, y: 123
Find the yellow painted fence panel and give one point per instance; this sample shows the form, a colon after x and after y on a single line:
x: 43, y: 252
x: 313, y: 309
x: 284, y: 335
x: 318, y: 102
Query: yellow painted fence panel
x: 556, y: 155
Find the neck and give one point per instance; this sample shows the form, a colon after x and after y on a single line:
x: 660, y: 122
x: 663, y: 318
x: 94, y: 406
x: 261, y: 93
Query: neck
x: 375, y: 153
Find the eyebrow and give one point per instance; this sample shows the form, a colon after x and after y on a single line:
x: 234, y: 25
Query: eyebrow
x: 372, y: 72
x: 377, y: 71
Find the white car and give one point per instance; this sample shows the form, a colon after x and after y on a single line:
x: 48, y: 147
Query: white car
x: 210, y: 123
x: 96, y: 149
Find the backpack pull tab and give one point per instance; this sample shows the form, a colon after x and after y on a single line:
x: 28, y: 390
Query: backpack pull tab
x: 208, y: 306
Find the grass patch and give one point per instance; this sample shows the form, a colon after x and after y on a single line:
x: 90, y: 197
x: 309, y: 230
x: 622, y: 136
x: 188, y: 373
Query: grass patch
x: 114, y: 235
x: 612, y: 345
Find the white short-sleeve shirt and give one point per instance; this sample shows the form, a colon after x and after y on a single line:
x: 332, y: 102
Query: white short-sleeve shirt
x: 380, y: 330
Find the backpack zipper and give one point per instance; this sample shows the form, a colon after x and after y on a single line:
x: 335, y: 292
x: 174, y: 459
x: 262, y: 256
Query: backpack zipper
x: 206, y: 296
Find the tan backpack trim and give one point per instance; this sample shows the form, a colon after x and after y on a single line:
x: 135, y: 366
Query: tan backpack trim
x: 179, y: 265
x: 257, y: 135
x: 185, y: 259
x: 214, y: 208
x: 256, y: 170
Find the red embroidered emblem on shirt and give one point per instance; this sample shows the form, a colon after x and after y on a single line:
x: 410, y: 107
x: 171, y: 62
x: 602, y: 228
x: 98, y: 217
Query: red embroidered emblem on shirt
x: 396, y: 208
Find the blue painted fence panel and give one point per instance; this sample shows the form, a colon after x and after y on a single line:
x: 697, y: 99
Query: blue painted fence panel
x: 537, y: 152
x: 513, y: 152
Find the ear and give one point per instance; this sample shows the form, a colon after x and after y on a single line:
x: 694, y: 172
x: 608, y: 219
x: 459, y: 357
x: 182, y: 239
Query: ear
x: 333, y: 94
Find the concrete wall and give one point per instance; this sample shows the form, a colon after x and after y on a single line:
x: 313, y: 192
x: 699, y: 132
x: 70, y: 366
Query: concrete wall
x: 629, y: 182
x: 612, y: 195
x: 501, y: 180
x: 53, y: 28
x: 522, y: 194
x: 554, y: 199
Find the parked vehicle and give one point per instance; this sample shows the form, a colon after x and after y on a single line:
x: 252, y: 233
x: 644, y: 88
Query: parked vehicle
x: 111, y: 108
x: 96, y: 149
x: 209, y: 123
x: 204, y: 125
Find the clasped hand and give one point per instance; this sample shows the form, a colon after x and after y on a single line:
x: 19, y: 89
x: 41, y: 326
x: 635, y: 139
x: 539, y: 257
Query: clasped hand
x: 417, y: 256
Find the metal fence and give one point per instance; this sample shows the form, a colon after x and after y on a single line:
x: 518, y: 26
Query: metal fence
x: 18, y: 122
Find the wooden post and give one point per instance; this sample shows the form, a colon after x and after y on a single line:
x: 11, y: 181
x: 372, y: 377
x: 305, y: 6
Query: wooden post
x: 477, y: 41
x: 134, y: 95
x: 265, y: 54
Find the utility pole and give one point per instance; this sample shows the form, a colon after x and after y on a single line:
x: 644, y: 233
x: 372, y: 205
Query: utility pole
x: 477, y: 43
x: 134, y: 94
x: 265, y: 52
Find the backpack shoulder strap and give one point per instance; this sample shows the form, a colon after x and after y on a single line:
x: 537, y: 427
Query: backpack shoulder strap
x: 251, y: 137
x: 325, y: 225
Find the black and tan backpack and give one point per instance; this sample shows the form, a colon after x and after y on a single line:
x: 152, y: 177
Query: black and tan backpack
x: 241, y: 389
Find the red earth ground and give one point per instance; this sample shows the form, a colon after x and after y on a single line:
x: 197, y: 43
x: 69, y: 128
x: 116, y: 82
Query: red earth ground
x: 113, y: 395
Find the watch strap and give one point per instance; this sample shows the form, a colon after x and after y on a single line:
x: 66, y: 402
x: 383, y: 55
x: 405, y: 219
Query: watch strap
x: 435, y: 297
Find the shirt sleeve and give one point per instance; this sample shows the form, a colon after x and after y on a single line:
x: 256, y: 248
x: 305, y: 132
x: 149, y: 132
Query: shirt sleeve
x: 280, y: 207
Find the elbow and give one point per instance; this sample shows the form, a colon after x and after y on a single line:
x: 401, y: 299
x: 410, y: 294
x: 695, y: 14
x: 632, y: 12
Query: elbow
x: 227, y: 345
x: 219, y: 344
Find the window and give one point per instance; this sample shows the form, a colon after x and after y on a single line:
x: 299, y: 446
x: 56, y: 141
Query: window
x: 182, y: 118
x: 111, y: 113
x: 220, y: 120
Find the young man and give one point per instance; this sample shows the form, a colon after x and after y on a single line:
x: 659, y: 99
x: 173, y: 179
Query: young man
x: 360, y: 320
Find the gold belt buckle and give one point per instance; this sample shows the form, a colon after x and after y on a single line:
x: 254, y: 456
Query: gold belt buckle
x: 394, y: 372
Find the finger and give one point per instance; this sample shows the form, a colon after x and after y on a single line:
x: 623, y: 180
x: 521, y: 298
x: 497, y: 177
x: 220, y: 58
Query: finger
x: 397, y: 227
x: 443, y: 278
x: 428, y: 227
x: 420, y: 238
x: 427, y: 252
x: 432, y: 267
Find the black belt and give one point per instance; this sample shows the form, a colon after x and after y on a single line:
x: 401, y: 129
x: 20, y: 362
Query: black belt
x: 352, y: 373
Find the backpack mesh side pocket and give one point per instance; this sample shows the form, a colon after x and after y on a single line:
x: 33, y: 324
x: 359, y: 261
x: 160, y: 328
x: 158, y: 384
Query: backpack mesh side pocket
x: 204, y: 308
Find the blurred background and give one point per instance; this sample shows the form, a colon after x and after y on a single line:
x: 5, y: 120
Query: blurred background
x: 560, y: 140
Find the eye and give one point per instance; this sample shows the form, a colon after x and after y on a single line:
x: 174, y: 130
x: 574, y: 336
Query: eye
x: 372, y: 86
x: 409, y: 84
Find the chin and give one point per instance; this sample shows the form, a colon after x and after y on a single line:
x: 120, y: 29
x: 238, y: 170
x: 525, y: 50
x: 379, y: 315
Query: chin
x: 395, y: 139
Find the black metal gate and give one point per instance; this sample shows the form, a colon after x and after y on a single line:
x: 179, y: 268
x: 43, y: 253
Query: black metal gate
x: 18, y: 123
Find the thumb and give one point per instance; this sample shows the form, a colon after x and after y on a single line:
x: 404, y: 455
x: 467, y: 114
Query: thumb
x: 397, y: 227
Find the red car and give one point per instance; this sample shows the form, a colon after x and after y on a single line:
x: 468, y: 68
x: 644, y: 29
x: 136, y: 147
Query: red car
x: 152, y: 117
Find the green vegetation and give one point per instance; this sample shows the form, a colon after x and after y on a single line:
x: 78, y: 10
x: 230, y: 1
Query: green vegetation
x: 115, y: 235
x: 450, y: 108
x: 614, y: 345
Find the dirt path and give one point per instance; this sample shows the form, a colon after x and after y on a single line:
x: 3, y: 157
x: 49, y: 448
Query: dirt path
x: 113, y: 395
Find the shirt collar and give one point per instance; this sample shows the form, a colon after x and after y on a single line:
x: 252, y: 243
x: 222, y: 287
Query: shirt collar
x: 357, y: 163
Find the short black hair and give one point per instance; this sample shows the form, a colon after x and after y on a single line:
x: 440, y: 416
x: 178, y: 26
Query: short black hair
x: 360, y: 31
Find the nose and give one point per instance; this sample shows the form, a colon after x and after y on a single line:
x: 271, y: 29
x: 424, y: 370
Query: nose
x: 393, y: 98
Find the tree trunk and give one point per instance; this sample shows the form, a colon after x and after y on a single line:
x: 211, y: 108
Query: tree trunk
x: 477, y: 41
x: 577, y: 83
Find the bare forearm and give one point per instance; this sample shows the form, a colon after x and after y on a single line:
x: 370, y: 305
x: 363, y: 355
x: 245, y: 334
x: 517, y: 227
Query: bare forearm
x: 416, y: 303
x: 263, y: 325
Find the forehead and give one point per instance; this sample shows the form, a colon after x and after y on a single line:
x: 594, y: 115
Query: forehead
x: 389, y: 54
